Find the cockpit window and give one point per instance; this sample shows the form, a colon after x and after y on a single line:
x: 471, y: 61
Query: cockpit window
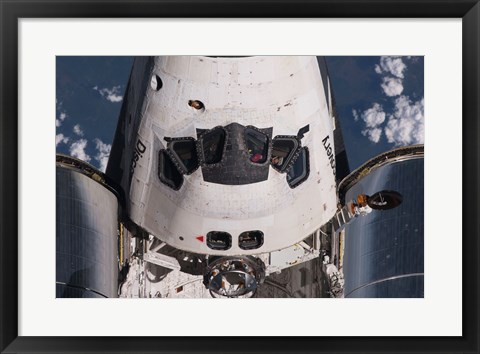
x: 212, y: 144
x: 168, y: 172
x: 300, y: 169
x: 283, y: 150
x: 257, y: 145
x: 185, y: 153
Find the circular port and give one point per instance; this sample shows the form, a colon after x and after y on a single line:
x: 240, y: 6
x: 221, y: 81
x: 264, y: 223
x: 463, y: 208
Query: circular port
x: 196, y: 104
x: 385, y: 200
x: 156, y: 83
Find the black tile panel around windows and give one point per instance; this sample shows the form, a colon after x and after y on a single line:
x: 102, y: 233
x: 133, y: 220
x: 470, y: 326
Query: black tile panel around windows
x: 388, y: 243
x: 235, y: 167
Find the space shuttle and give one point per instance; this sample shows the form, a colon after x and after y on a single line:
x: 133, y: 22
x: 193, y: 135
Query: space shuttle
x: 228, y: 159
x: 227, y: 173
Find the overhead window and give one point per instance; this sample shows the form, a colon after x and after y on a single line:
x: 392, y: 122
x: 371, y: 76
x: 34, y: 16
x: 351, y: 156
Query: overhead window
x: 250, y: 240
x: 168, y: 172
x: 300, y: 169
x: 257, y: 145
x: 283, y: 150
x: 218, y: 240
x: 212, y: 144
x: 185, y: 153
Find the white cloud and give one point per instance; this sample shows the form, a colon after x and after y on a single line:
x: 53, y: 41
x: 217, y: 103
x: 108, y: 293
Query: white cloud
x: 373, y: 134
x: 355, y: 114
x: 392, y: 65
x: 77, y: 149
x: 111, y: 95
x: 60, y: 138
x: 392, y: 86
x: 373, y: 116
x: 406, y: 125
x: 77, y: 130
x: 103, y: 152
x: 60, y: 119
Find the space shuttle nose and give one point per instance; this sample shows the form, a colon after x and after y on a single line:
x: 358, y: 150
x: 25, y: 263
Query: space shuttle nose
x: 194, y: 146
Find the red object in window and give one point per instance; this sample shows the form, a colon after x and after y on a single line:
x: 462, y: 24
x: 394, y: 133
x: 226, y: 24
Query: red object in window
x: 199, y: 238
x: 256, y: 157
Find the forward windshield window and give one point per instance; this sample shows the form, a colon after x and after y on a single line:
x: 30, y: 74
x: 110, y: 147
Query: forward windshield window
x: 283, y: 150
x: 212, y: 145
x: 168, y: 172
x: 257, y: 145
x: 185, y: 153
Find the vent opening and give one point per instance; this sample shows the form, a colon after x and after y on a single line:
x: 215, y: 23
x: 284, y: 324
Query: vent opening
x: 250, y: 240
x: 219, y: 240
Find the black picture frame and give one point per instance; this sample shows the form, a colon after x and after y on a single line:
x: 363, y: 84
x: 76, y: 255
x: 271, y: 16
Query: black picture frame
x: 12, y: 11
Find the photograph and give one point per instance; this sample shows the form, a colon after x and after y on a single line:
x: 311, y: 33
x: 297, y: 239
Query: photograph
x: 253, y: 176
x: 226, y: 163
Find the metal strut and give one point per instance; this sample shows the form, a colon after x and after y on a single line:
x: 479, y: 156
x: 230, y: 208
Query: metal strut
x: 341, y: 218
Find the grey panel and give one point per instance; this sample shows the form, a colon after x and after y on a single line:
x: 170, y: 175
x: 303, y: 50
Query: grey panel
x: 86, y: 235
x: 304, y: 280
x: 119, y: 167
x: 342, y: 168
x: 63, y: 290
x: 395, y: 288
x: 388, y: 243
x: 341, y: 160
x: 322, y: 64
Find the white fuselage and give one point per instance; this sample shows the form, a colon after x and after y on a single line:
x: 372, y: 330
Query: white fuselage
x: 283, y: 93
